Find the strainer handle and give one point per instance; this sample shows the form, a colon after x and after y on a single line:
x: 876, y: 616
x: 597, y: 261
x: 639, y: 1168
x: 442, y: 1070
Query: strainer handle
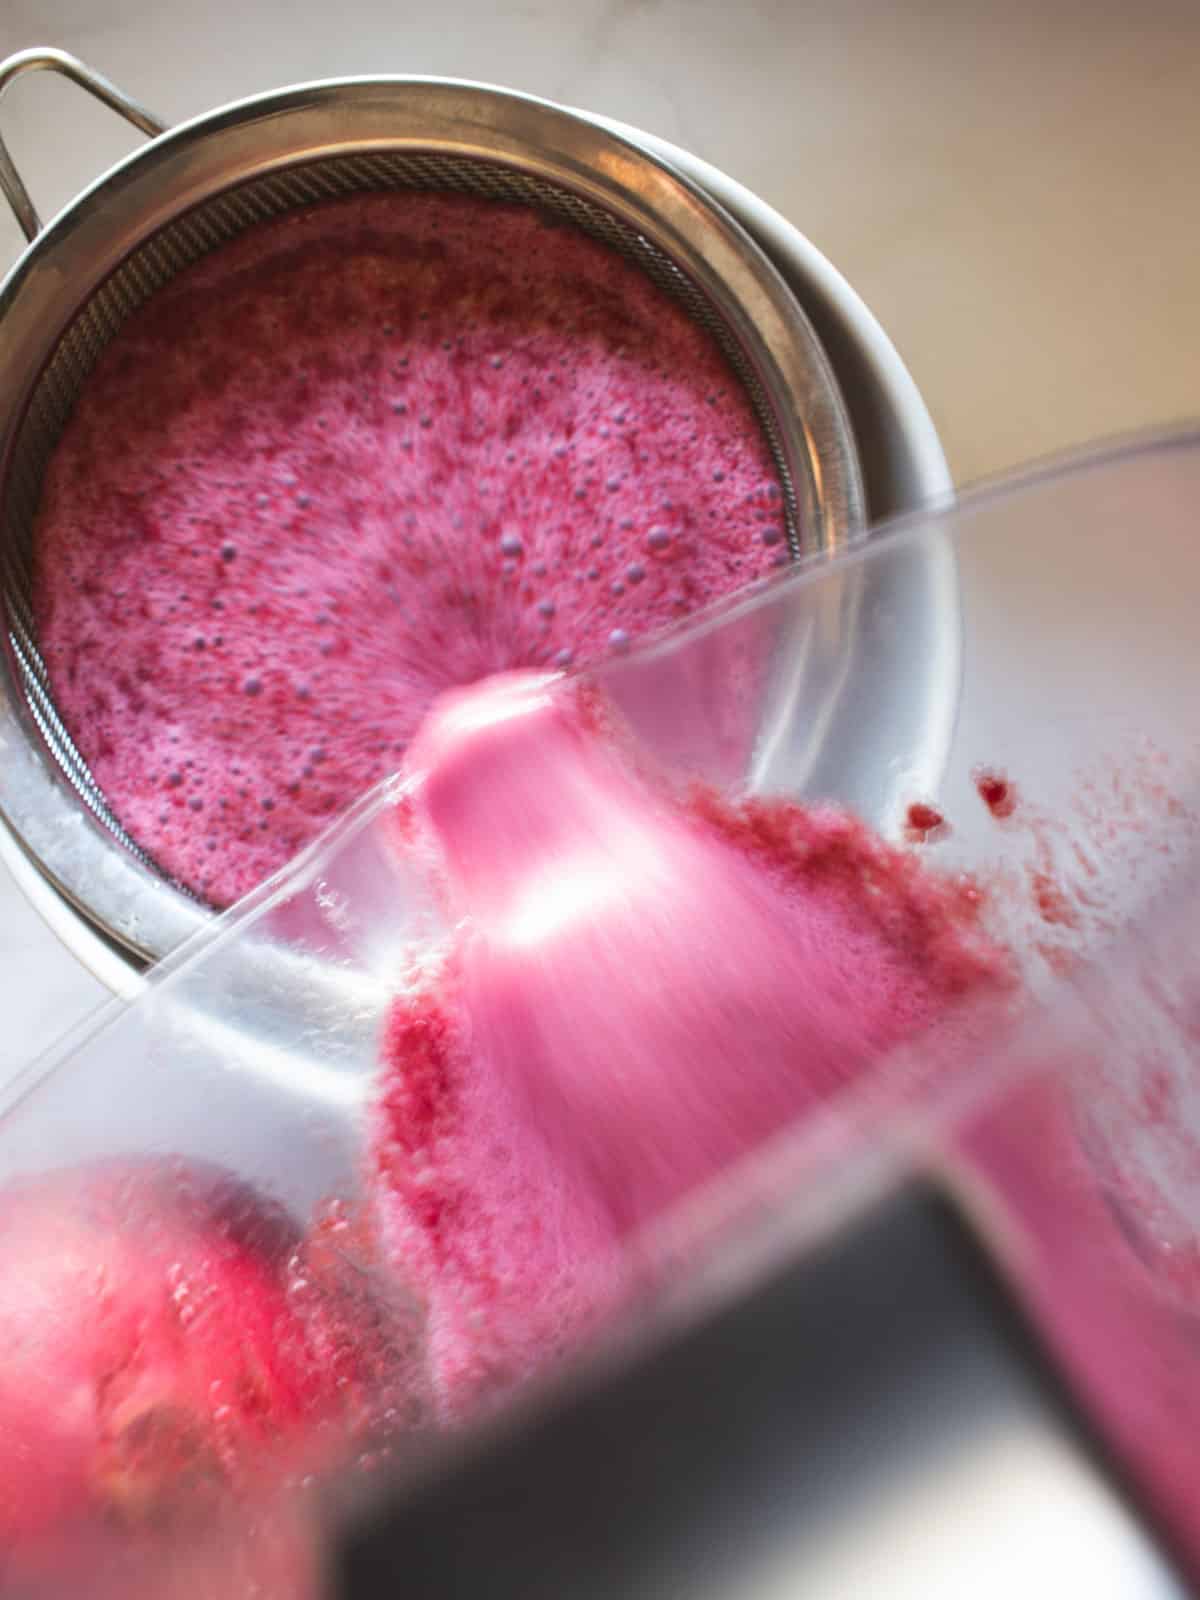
x: 39, y: 60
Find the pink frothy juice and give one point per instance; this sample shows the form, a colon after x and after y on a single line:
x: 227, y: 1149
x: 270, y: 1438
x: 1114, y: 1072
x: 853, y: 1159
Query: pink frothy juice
x: 642, y: 988
x: 364, y: 453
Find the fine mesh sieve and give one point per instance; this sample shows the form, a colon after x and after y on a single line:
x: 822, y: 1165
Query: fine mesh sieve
x: 195, y: 189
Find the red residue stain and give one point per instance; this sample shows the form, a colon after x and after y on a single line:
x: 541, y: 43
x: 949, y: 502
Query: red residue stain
x: 923, y: 823
x: 998, y: 794
x: 1060, y: 960
x: 1085, y: 861
x: 1051, y: 901
x: 399, y: 822
x: 1157, y: 1098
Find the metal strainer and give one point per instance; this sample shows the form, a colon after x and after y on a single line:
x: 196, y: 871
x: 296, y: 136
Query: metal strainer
x: 195, y: 188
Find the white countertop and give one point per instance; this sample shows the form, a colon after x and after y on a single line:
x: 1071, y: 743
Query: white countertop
x: 1011, y: 187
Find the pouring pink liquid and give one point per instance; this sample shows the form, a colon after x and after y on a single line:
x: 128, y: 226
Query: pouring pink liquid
x: 641, y: 990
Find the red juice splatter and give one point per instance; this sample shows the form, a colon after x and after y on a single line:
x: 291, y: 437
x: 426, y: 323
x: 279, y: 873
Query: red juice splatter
x: 1051, y: 901
x: 997, y: 792
x: 924, y: 822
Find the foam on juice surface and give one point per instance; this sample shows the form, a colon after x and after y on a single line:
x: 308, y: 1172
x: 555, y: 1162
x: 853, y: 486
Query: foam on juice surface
x: 362, y: 453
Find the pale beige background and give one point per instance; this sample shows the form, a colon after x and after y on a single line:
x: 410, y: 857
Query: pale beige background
x: 1014, y: 188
